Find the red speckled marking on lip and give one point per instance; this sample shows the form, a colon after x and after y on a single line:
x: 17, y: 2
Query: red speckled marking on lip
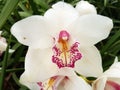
x: 65, y: 55
x: 41, y: 85
x: 110, y: 85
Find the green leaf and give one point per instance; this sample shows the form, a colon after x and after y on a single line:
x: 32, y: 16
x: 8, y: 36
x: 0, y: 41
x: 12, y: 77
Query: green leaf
x: 111, y: 41
x: 105, y: 2
x: 7, y: 10
x: 42, y: 3
x: 115, y: 47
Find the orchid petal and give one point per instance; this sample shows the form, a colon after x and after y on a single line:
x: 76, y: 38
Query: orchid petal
x: 66, y: 71
x: 90, y: 29
x: 99, y: 84
x: 3, y: 44
x: 61, y: 15
x: 90, y: 63
x: 84, y: 7
x: 104, y: 83
x: 116, y: 60
x: 110, y: 85
x: 38, y: 65
x: 31, y: 85
x: 73, y: 83
x: 113, y: 71
x: 32, y: 31
x: 110, y: 78
x: 1, y: 32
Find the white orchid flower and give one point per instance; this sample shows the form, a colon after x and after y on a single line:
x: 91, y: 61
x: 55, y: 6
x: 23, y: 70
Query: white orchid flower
x: 62, y: 38
x: 70, y: 81
x: 3, y: 44
x: 110, y: 79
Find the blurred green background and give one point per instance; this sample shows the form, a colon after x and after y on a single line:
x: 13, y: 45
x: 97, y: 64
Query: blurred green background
x: 14, y: 10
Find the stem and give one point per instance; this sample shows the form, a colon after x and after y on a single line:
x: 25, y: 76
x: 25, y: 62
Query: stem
x: 14, y: 70
x: 4, y: 64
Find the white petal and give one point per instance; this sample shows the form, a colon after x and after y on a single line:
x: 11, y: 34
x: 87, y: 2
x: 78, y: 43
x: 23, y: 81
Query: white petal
x: 91, y: 63
x: 84, y: 7
x: 90, y: 29
x: 116, y: 60
x: 99, y: 84
x: 66, y: 71
x: 74, y: 83
x: 38, y: 65
x: 60, y: 16
x: 3, y: 44
x: 32, y: 31
x: 1, y: 32
x: 30, y: 85
x: 112, y: 75
x: 113, y: 71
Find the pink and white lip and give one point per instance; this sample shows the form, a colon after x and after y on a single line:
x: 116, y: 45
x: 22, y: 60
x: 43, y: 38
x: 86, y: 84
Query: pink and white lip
x: 65, y: 54
x: 110, y: 85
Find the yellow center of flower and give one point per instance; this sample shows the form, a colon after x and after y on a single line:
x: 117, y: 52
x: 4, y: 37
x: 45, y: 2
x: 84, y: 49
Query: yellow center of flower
x: 47, y: 85
x: 53, y: 83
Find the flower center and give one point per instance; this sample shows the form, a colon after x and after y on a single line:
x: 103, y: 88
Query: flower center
x: 47, y: 85
x: 65, y: 54
x: 51, y: 84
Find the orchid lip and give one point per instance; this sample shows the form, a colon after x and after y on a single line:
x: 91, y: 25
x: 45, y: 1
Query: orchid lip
x: 112, y: 86
x: 50, y: 84
x: 65, y: 54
